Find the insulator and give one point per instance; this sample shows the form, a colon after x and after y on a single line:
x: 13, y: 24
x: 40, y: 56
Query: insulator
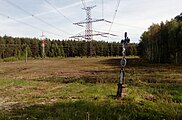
x: 123, y: 62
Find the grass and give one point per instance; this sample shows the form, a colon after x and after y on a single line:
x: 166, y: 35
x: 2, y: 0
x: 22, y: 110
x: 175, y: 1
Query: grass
x: 85, y: 88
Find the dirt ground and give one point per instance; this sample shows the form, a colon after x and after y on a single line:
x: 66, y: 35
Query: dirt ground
x: 68, y: 70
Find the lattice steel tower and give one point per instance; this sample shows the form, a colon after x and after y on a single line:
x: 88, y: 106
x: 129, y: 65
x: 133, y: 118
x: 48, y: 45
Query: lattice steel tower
x: 88, y: 27
x: 89, y: 33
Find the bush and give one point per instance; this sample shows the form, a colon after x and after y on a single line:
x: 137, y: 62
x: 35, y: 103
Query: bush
x: 10, y: 59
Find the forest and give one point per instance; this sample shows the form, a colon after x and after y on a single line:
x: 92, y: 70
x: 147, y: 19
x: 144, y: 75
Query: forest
x: 162, y: 43
x: 16, y: 47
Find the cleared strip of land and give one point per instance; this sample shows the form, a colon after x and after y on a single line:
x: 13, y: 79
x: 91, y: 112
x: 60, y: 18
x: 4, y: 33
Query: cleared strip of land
x: 82, y: 88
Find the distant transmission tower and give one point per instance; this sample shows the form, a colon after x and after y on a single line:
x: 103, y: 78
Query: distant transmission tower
x: 43, y: 45
x: 89, y: 33
x: 88, y: 29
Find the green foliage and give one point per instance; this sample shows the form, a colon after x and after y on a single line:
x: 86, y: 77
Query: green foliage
x: 10, y: 59
x: 179, y: 17
x: 85, y: 88
x: 162, y: 43
x: 10, y: 47
x: 90, y: 111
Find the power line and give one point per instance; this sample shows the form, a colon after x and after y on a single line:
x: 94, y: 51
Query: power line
x: 34, y: 27
x: 115, y: 35
x: 51, y: 11
x: 102, y: 8
x: 27, y: 12
x: 114, y: 16
x: 132, y: 26
x: 58, y: 11
x: 83, y: 2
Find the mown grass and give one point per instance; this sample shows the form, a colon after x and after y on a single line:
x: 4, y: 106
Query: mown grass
x: 85, y: 88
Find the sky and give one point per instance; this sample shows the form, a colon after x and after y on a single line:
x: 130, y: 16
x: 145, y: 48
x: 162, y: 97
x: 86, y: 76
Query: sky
x: 29, y: 18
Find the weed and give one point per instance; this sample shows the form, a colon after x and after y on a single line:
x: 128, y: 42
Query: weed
x: 85, y: 88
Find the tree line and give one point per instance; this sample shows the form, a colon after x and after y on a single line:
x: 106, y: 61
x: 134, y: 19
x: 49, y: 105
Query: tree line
x: 162, y: 43
x: 17, y: 47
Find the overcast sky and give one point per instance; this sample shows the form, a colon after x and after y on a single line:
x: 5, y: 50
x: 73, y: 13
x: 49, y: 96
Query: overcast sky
x: 133, y: 16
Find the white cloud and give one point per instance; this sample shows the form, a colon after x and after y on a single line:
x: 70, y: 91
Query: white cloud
x: 134, y: 16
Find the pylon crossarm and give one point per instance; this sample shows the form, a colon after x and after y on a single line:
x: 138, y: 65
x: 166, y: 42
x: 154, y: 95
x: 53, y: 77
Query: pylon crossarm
x: 86, y: 22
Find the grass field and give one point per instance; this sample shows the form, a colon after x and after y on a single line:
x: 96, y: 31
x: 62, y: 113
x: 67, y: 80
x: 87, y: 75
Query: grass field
x: 85, y: 88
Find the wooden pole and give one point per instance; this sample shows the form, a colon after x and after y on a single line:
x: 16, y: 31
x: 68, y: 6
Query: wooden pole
x: 26, y: 54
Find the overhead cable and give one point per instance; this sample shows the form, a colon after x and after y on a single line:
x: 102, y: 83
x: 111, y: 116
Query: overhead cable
x: 83, y: 2
x: 132, y: 26
x: 115, y: 12
x: 34, y: 27
x: 58, y: 10
x: 29, y: 13
x: 102, y: 8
